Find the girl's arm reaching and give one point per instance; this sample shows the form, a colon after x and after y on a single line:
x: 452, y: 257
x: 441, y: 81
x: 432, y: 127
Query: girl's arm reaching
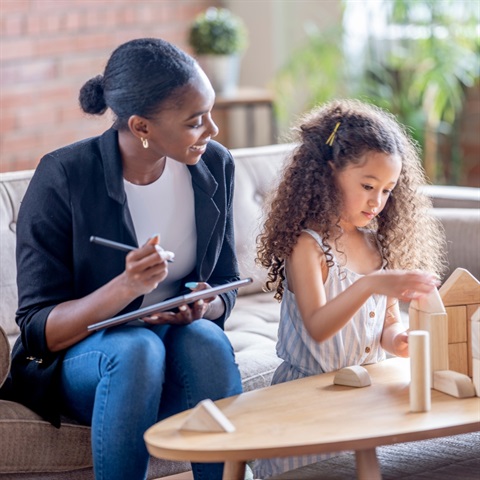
x: 394, y: 336
x: 307, y: 271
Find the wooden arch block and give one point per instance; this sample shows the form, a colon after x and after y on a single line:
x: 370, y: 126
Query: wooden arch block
x: 453, y: 383
x: 354, y: 376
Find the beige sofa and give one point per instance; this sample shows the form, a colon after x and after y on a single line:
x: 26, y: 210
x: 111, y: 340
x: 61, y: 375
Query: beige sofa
x: 32, y: 449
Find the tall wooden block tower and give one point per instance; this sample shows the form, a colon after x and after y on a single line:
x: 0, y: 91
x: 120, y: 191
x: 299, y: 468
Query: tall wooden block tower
x: 451, y: 316
x: 461, y: 297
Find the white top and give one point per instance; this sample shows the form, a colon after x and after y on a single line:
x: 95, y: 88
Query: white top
x: 357, y: 343
x: 166, y: 207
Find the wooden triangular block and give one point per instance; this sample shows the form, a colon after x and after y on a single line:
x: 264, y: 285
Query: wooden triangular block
x: 431, y: 303
x: 461, y: 288
x: 206, y: 417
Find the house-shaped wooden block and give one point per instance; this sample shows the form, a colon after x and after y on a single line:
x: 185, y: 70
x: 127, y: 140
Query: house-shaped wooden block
x: 461, y: 297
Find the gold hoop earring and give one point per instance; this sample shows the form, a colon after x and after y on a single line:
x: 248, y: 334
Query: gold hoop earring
x: 144, y: 142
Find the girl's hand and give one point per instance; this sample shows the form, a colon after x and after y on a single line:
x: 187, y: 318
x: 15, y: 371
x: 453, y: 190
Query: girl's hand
x: 400, y: 344
x: 186, y: 313
x: 145, y: 268
x: 403, y: 284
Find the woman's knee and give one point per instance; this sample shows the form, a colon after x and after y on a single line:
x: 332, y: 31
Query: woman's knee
x: 136, y: 349
x: 201, y: 335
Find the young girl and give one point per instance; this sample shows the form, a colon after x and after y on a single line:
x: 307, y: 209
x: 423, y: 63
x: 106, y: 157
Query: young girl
x: 346, y: 236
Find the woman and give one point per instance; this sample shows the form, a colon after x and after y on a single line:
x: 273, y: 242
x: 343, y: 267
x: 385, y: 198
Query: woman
x: 156, y: 170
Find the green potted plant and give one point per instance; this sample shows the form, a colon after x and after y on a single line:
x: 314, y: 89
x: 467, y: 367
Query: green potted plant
x: 218, y: 38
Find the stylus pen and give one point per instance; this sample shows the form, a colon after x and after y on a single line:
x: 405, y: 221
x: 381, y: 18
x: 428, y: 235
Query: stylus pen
x: 117, y: 245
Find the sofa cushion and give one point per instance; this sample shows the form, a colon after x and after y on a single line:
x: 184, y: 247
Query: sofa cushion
x: 30, y: 444
x: 12, y: 189
x: 256, y: 172
x: 252, y: 329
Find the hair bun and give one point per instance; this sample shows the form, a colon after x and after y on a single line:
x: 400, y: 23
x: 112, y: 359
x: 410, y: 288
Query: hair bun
x: 91, y: 97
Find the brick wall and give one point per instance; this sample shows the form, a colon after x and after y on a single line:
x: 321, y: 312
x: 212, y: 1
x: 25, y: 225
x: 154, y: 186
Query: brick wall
x: 49, y: 48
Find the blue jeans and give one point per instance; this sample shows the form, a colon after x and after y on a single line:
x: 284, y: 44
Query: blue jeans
x: 123, y: 380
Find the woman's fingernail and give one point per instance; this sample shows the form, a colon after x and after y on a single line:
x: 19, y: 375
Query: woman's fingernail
x: 191, y: 285
x: 200, y: 302
x: 182, y: 308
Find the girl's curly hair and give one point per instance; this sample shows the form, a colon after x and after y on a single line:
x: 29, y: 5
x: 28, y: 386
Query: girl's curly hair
x: 307, y: 195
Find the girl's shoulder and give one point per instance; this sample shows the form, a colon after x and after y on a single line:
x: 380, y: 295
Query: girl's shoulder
x: 310, y: 239
x: 315, y: 235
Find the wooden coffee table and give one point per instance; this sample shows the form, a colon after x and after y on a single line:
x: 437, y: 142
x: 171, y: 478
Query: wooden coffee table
x: 312, y: 415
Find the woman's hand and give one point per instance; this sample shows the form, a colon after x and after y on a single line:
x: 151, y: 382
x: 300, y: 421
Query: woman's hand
x: 186, y: 313
x: 145, y: 268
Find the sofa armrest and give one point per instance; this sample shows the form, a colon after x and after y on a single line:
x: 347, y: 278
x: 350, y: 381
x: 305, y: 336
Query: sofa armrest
x: 450, y: 196
x: 4, y: 356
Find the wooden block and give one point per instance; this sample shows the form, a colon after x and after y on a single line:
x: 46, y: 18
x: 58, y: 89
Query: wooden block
x: 476, y: 375
x: 475, y: 339
x: 473, y: 311
x: 420, y: 372
x: 207, y: 417
x: 461, y: 288
x: 458, y: 357
x: 354, y: 376
x: 431, y: 303
x: 457, y: 324
x: 469, y: 349
x: 437, y: 327
x: 453, y: 383
x: 413, y: 320
x: 473, y: 316
x: 436, y: 324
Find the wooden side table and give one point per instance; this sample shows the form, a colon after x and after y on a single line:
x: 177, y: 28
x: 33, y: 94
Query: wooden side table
x: 247, y: 99
x: 313, y: 415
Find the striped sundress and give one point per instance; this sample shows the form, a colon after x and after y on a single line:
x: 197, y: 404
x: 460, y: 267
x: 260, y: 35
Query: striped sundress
x: 358, y: 343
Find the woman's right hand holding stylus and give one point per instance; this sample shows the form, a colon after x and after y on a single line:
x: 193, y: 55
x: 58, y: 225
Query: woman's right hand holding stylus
x: 145, y: 268
x: 405, y: 285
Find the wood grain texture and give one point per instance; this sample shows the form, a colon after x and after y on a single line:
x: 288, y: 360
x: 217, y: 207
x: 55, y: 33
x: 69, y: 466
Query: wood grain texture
x: 295, y: 418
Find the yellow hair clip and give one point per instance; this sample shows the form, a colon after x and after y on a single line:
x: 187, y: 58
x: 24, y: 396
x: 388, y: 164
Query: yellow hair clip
x: 331, y: 138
